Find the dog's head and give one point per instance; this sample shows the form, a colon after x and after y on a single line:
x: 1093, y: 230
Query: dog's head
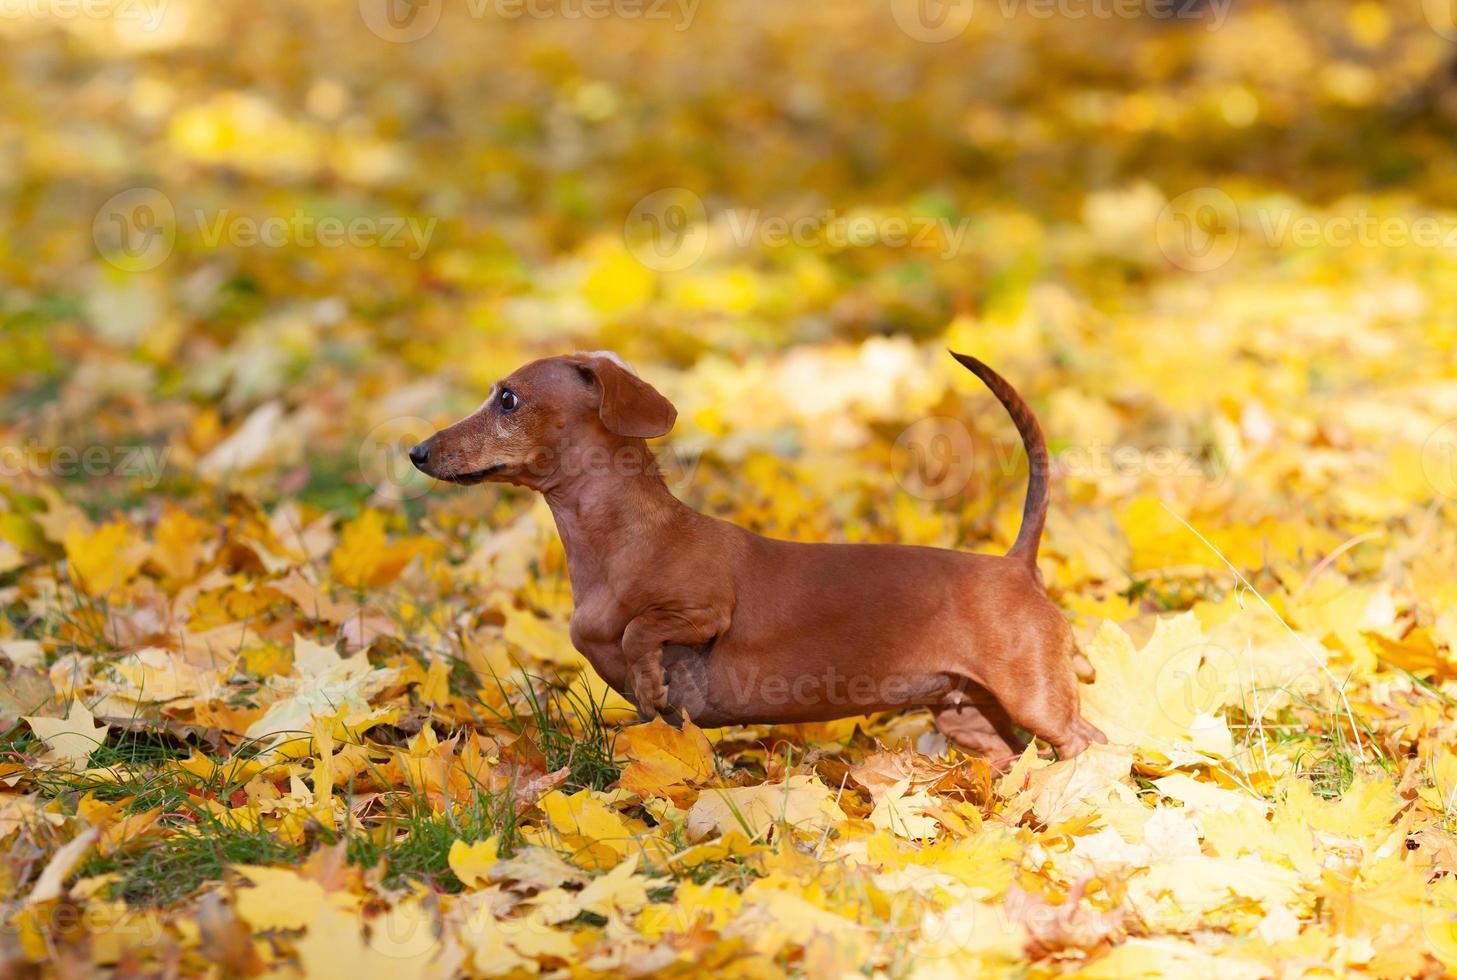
x: 549, y: 413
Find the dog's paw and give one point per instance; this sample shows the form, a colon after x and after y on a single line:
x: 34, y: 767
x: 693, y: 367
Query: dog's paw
x: 649, y: 690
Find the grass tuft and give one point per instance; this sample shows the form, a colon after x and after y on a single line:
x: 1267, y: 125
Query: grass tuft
x: 587, y: 749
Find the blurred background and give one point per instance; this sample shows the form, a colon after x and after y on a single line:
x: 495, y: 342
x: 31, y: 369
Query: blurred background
x: 250, y: 252
x: 256, y: 249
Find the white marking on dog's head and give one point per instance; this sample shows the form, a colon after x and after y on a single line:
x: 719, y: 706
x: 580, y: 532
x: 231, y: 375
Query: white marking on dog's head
x: 610, y: 356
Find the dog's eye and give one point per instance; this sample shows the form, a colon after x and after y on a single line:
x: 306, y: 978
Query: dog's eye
x: 508, y: 400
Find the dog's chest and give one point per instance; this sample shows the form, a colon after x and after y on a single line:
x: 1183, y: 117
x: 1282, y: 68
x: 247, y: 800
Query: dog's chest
x: 596, y: 629
x: 598, y: 618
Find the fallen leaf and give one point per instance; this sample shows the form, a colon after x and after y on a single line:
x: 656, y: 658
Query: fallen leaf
x: 72, y: 739
x: 1159, y: 699
x: 106, y: 558
x: 665, y: 761
x: 472, y: 862
x: 1059, y: 791
x: 800, y: 802
x: 277, y: 898
x: 904, y: 813
x: 59, y: 867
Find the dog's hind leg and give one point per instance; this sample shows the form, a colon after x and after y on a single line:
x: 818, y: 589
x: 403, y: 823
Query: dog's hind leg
x: 1043, y: 698
x: 980, y: 725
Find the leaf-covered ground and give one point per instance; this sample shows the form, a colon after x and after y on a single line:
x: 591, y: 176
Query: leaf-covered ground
x: 271, y: 706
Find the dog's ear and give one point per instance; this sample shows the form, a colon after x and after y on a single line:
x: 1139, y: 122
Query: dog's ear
x: 630, y: 406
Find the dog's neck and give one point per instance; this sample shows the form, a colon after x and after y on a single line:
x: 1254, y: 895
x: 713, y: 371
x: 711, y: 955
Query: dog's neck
x: 605, y: 506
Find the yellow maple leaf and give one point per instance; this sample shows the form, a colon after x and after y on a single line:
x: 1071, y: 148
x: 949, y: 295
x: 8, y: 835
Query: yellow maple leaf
x: 179, y: 544
x: 1366, y: 807
x: 130, y: 831
x: 1170, y: 956
x: 365, y: 556
x: 731, y: 844
x: 493, y: 952
x: 541, y: 639
x: 472, y: 862
x: 1176, y: 893
x: 1416, y: 652
x: 434, y: 690
x: 692, y: 903
x: 985, y: 862
x: 10, y: 556
x: 401, y: 944
x: 620, y: 891
x: 53, y: 876
x: 155, y: 674
x: 801, y: 802
x: 1246, y: 830
x: 57, y: 521
x: 1161, y: 699
x: 1343, y: 615
x: 103, y: 559
x: 904, y: 813
x: 972, y: 938
x: 280, y: 898
x: 1440, y: 771
x: 590, y: 833
x: 664, y: 758
x: 325, y: 686
x: 1389, y: 893
x: 1439, y: 924
x: 1056, y: 792
x: 72, y: 739
x: 774, y: 917
x: 1156, y: 540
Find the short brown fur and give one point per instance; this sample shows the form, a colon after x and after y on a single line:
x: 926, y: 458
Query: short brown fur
x: 684, y: 613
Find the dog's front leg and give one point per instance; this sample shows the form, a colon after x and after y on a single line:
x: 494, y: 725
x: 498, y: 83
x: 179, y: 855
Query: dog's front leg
x: 642, y: 648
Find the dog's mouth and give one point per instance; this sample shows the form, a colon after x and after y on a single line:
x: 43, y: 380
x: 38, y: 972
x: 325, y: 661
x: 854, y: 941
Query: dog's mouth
x: 474, y: 476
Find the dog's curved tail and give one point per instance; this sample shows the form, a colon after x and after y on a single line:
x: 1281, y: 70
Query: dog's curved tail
x: 1034, y: 510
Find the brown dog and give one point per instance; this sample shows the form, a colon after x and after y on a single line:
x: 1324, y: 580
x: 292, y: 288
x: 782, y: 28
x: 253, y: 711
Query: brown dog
x: 681, y: 612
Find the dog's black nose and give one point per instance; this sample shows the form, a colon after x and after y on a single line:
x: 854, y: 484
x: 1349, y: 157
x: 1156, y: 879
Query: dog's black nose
x: 419, y: 454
